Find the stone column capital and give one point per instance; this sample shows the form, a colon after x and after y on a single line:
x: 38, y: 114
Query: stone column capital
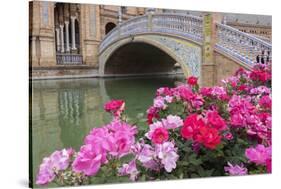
x: 66, y: 22
x: 72, y: 18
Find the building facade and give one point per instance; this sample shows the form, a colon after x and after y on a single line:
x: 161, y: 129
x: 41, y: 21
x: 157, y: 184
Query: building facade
x: 67, y: 35
x: 64, y: 38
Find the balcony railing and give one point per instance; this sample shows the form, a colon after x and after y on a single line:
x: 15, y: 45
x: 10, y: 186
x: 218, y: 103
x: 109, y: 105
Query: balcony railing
x: 69, y: 59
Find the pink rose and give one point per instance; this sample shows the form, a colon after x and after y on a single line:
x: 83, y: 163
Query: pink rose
x: 89, y: 160
x: 160, y: 135
x: 228, y: 136
x: 259, y: 154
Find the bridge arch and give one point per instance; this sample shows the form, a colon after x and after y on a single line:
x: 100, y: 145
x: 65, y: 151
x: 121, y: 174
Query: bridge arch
x: 171, y: 48
x: 182, y: 38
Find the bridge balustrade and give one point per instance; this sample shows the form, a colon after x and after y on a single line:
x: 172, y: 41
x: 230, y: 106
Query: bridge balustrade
x: 174, y: 24
x: 240, y: 45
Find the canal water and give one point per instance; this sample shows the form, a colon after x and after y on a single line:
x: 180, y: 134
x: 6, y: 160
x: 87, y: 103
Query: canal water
x: 62, y: 112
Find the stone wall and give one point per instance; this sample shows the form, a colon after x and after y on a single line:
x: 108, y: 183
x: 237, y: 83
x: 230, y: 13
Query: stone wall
x: 225, y: 67
x: 90, y: 33
x: 42, y: 35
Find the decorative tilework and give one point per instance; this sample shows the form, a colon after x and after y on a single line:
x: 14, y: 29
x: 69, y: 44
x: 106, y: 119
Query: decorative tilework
x: 186, y: 52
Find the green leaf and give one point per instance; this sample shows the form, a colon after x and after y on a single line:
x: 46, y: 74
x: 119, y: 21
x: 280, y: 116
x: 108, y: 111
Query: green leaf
x: 193, y: 175
x: 183, y: 163
x: 126, y: 158
x: 194, y: 160
x: 142, y: 178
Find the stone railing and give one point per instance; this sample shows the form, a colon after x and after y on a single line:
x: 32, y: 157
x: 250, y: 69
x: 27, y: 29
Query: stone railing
x: 182, y: 25
x: 175, y: 24
x: 239, y: 45
x: 69, y: 59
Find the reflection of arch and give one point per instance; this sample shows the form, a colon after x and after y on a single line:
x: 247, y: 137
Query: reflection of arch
x: 109, y: 26
x: 186, y: 53
x: 103, y: 92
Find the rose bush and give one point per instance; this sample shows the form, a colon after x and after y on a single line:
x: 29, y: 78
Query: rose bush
x: 191, y: 132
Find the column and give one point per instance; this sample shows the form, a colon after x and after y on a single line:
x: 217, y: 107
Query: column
x: 67, y: 35
x: 58, y: 38
x: 73, y: 32
x: 120, y: 15
x: 209, y: 70
x: 224, y: 21
x: 62, y: 39
x: 34, y: 55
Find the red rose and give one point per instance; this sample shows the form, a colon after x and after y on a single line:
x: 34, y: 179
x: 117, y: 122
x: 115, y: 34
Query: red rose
x: 205, y: 91
x: 150, y: 118
x: 228, y: 136
x: 160, y: 135
x: 215, y: 120
x: 268, y: 165
x: 242, y: 87
x: 115, y: 106
x: 192, y: 80
x: 190, y: 126
x: 260, y: 75
x: 152, y: 112
x: 209, y: 137
x: 265, y: 101
x: 240, y: 71
x: 185, y: 93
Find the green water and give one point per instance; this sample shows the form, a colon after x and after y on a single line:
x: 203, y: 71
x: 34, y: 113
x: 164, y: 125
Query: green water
x: 64, y: 111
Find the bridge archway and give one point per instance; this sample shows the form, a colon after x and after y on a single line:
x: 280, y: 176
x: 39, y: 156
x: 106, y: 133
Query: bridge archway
x: 139, y: 58
x: 167, y: 51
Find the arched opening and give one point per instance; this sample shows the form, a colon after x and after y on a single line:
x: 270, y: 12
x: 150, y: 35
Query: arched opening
x: 109, y: 26
x: 77, y: 36
x: 139, y: 58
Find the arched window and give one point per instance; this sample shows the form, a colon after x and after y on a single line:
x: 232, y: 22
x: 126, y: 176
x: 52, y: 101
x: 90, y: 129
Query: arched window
x: 77, y: 34
x: 109, y: 26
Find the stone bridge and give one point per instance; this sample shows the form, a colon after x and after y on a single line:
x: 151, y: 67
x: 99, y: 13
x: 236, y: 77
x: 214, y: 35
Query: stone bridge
x: 154, y: 43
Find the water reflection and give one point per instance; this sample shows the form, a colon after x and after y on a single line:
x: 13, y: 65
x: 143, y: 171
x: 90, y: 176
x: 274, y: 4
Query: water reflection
x: 64, y: 111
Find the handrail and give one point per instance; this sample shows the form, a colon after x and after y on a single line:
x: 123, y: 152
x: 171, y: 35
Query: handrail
x: 240, y: 45
x: 246, y: 34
